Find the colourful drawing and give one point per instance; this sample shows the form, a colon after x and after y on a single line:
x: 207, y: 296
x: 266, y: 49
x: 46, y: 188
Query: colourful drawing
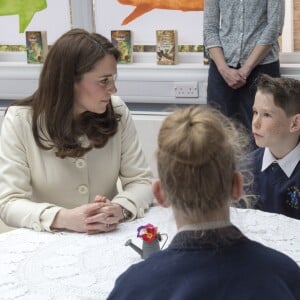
x: 24, y: 8
x: 144, y: 6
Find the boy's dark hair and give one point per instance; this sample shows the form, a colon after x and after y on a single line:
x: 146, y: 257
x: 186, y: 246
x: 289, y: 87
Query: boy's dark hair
x: 285, y: 91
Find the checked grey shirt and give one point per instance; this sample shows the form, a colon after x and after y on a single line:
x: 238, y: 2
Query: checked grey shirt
x: 238, y: 26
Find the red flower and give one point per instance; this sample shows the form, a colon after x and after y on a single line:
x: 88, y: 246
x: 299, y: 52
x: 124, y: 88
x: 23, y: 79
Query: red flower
x: 148, y: 233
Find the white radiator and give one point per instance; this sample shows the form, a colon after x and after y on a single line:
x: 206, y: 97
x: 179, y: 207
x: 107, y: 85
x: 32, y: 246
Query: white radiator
x: 148, y: 126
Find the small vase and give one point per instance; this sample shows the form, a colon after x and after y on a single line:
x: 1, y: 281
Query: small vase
x: 150, y: 247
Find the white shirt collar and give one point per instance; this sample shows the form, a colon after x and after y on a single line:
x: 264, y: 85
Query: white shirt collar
x: 288, y: 163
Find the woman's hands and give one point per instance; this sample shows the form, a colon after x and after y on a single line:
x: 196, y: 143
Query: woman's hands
x: 233, y: 77
x: 100, y: 216
x: 109, y: 215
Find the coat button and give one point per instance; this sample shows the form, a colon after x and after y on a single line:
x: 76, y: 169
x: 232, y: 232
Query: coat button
x: 82, y: 189
x: 36, y: 226
x: 80, y: 163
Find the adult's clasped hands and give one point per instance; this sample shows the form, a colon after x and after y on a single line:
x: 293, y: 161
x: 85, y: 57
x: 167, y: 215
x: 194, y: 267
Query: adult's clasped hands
x: 99, y: 216
x: 108, y: 215
x: 235, y: 78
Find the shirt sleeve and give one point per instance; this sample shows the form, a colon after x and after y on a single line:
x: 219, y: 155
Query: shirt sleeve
x: 211, y: 24
x: 271, y: 33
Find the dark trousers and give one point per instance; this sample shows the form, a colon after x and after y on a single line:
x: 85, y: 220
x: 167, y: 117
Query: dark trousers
x: 237, y: 103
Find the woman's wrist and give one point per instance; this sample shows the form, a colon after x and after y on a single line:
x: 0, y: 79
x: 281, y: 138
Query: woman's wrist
x: 59, y: 220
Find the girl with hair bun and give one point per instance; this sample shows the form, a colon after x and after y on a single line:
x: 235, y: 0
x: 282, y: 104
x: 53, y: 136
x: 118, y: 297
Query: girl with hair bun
x: 209, y: 258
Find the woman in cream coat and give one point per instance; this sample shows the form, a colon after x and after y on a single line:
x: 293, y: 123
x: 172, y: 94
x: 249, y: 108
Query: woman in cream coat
x: 63, y: 149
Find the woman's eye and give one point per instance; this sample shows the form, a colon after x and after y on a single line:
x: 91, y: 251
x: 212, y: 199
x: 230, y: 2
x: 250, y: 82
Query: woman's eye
x: 104, y: 81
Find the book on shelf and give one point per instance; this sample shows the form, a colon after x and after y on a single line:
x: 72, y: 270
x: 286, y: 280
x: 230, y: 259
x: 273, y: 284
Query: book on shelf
x: 166, y: 47
x: 122, y: 39
x: 36, y: 46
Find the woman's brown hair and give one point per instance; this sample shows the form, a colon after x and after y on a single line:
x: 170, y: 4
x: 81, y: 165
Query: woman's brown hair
x: 75, y: 53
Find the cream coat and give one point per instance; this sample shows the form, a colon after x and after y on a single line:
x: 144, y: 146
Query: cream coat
x: 35, y: 184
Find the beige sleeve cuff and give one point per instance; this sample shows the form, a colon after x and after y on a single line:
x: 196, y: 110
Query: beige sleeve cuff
x: 47, y: 218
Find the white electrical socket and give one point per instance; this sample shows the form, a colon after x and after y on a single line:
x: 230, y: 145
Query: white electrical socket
x: 186, y: 89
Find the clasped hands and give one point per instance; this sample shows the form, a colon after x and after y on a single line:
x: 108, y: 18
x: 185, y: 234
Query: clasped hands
x: 235, y: 78
x: 99, y: 216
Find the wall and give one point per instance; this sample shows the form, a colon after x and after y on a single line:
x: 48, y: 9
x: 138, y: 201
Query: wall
x: 148, y: 127
x: 140, y: 82
x: 297, y: 25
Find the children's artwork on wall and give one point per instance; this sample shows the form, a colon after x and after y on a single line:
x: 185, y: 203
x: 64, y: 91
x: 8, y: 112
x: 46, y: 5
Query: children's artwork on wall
x: 25, y: 10
x: 17, y: 16
x: 144, y: 6
x: 144, y: 17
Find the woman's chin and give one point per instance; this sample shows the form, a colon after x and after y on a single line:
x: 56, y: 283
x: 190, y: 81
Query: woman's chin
x: 100, y: 110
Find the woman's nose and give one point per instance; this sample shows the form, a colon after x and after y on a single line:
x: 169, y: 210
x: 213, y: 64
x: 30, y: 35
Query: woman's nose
x: 112, y: 89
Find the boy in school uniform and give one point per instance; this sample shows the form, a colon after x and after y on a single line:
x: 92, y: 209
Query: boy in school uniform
x: 276, y: 129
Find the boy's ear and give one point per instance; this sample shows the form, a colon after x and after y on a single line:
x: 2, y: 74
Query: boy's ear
x: 159, y: 194
x: 237, y: 186
x: 295, y: 123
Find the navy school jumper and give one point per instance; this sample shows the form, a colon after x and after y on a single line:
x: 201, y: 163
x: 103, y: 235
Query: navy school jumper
x: 274, y: 191
x: 211, y: 267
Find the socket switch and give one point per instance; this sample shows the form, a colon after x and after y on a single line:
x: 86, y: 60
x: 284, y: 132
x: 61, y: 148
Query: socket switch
x: 186, y: 89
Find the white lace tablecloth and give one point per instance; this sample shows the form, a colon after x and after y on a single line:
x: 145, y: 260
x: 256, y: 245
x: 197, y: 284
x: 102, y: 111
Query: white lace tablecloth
x: 42, y: 266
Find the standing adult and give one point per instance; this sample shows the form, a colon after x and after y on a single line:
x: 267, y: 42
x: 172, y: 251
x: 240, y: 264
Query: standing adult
x: 241, y: 37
